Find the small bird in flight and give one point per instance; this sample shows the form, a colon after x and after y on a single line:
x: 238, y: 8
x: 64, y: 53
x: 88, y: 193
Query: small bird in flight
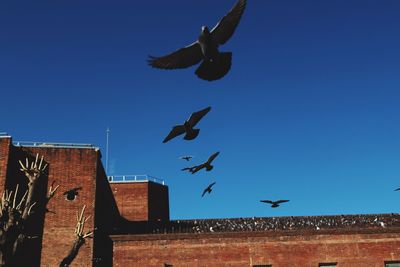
x: 187, y: 126
x: 398, y: 189
x: 206, y: 165
x: 274, y: 204
x: 214, y: 64
x: 187, y: 158
x: 208, y: 189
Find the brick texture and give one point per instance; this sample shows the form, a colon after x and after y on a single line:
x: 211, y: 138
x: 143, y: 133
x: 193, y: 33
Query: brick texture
x: 122, y: 212
x: 240, y: 250
x: 70, y: 168
x: 5, y: 143
x: 142, y: 201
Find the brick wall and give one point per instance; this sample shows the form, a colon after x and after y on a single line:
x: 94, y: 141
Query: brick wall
x: 357, y: 249
x: 5, y: 143
x: 69, y: 168
x: 142, y: 201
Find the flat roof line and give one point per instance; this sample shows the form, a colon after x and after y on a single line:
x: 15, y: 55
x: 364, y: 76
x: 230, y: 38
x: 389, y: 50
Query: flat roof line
x: 134, y: 178
x: 51, y: 144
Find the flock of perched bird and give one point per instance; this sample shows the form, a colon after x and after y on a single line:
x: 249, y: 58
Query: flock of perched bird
x: 276, y: 223
x: 214, y: 65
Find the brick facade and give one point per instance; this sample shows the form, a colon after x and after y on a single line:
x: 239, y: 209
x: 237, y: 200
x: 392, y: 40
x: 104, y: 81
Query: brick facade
x: 70, y: 168
x: 5, y: 143
x: 133, y: 228
x: 279, y: 249
x: 142, y: 201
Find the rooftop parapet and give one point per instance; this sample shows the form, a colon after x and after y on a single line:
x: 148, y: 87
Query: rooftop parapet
x: 51, y: 144
x: 270, y: 224
x: 4, y: 135
x: 132, y: 178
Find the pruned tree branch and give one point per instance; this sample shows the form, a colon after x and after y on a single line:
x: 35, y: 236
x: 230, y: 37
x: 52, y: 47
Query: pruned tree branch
x: 80, y: 238
x: 32, y: 171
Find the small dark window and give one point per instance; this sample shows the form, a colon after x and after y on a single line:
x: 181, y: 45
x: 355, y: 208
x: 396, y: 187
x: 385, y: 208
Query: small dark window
x: 167, y: 265
x: 71, y: 194
x: 392, y: 264
x: 330, y: 264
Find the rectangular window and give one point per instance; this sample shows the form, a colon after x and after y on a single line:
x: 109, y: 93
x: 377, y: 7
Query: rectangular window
x: 392, y: 264
x: 330, y: 264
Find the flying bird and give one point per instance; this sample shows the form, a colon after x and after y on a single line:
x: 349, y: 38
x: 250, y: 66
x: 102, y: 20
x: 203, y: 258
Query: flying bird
x: 187, y: 158
x: 206, y: 165
x: 208, y: 189
x: 214, y: 64
x: 187, y: 126
x: 274, y: 204
x: 398, y: 189
x: 72, y: 193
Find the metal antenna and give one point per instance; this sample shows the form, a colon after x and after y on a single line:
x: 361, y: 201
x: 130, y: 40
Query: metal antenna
x: 108, y: 133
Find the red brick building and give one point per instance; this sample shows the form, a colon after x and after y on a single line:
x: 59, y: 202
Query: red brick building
x: 133, y: 228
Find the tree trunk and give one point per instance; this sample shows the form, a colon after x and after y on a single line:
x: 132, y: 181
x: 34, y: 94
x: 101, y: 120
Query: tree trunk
x: 73, y: 252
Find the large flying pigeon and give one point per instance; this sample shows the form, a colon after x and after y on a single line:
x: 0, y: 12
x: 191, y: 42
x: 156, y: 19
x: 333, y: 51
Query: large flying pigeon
x: 214, y: 64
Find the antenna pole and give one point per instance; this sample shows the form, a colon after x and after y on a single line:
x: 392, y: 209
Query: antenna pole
x: 107, y: 133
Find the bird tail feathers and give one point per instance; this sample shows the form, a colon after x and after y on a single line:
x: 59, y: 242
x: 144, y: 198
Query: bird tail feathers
x: 214, y: 70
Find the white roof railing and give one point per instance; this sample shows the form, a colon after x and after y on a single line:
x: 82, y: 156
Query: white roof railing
x: 134, y: 178
x: 50, y: 144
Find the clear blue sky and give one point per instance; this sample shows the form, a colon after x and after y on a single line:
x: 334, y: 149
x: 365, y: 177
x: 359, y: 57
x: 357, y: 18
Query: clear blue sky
x: 309, y: 111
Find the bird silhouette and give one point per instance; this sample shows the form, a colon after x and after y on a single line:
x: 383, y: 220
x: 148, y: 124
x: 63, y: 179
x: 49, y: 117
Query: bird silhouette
x: 215, y: 64
x: 274, y: 204
x: 398, y: 189
x: 187, y: 126
x: 206, y: 165
x: 187, y: 158
x: 72, y: 193
x: 208, y: 189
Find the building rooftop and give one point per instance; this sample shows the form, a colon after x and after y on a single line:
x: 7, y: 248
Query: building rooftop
x: 132, y: 178
x: 52, y: 144
x: 262, y: 224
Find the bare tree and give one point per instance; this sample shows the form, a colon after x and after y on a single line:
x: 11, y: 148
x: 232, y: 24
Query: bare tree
x: 16, y: 217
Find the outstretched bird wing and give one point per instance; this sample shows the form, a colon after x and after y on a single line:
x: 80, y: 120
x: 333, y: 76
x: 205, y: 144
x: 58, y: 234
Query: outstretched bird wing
x: 267, y: 201
x: 281, y: 201
x: 176, y: 130
x: 196, y: 116
x: 197, y: 168
x: 211, y: 185
x: 180, y: 59
x: 190, y: 169
x: 212, y: 157
x: 205, y: 191
x: 227, y: 25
